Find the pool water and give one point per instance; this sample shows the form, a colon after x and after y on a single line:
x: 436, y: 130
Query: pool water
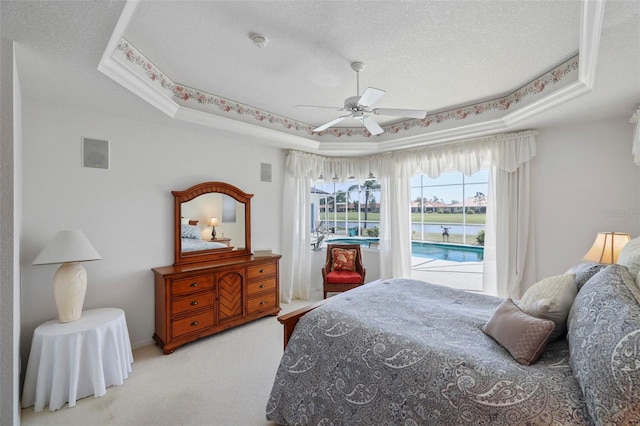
x: 451, y: 252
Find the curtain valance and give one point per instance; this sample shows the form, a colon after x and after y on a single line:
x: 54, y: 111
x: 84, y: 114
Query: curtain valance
x: 506, y: 152
x: 302, y: 164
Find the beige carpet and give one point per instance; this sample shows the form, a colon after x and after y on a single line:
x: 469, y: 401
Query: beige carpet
x: 224, y: 379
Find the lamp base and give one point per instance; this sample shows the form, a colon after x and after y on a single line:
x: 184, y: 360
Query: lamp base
x: 69, y: 289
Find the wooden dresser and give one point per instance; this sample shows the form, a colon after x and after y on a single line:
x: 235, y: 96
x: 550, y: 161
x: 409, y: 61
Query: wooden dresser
x: 200, y: 299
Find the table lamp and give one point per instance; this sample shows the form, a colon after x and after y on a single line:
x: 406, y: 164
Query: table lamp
x: 213, y: 223
x: 70, y: 280
x: 606, y: 247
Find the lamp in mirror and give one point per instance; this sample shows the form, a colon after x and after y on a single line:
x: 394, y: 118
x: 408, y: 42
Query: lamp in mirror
x: 607, y: 247
x: 70, y: 280
x: 213, y: 223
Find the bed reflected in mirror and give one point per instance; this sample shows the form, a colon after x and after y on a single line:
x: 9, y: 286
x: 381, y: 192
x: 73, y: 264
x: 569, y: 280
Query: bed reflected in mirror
x: 211, y: 221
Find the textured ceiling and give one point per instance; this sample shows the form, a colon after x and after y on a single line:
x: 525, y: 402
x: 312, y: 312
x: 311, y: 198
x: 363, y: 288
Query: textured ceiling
x: 434, y: 55
x: 426, y: 55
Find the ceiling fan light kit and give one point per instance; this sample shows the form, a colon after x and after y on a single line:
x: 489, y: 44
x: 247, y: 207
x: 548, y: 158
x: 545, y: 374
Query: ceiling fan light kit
x: 359, y: 106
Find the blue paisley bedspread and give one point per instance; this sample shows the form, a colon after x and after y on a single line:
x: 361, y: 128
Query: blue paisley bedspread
x: 405, y: 352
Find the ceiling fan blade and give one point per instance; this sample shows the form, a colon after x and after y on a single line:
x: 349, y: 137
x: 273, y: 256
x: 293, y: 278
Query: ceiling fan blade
x: 370, y: 96
x: 372, y: 126
x: 330, y: 123
x: 321, y: 106
x: 398, y: 112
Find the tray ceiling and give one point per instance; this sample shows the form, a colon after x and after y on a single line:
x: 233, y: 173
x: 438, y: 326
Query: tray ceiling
x: 466, y: 63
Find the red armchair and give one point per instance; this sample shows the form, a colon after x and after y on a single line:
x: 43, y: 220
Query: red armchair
x: 343, y: 269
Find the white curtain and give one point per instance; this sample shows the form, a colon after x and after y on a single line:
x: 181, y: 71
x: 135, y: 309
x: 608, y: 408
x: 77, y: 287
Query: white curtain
x: 395, y: 219
x: 489, y: 263
x: 296, y: 253
x: 509, y: 256
x: 514, y: 237
x: 509, y: 231
x: 513, y: 217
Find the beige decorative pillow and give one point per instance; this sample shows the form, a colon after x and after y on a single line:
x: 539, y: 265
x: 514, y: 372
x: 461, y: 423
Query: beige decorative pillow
x: 551, y: 298
x: 524, y: 336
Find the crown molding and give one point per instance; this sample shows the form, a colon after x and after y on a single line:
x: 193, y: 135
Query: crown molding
x: 590, y: 32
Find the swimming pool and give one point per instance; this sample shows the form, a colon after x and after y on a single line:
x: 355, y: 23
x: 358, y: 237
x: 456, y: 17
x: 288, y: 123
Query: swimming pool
x: 451, y: 252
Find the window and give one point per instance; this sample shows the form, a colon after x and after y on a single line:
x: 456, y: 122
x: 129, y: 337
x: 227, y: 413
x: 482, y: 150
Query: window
x: 349, y: 209
x: 447, y: 229
x: 451, y: 208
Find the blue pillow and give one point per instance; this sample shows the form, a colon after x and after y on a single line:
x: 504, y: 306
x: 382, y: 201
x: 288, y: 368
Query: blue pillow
x: 190, y: 231
x: 584, y: 271
x: 604, y: 337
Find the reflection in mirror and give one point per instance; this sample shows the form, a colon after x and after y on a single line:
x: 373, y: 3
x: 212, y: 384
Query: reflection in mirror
x: 211, y: 221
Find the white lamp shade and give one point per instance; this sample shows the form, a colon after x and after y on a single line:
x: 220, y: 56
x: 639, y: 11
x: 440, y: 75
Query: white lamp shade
x: 213, y: 221
x: 67, y: 246
x: 606, y: 247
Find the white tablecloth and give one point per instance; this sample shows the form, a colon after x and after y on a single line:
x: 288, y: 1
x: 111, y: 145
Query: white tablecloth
x: 70, y: 361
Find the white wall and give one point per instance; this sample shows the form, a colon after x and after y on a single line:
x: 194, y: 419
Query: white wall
x: 584, y: 181
x: 127, y: 211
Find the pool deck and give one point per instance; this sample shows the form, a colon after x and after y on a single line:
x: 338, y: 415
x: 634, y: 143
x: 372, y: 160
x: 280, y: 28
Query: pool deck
x: 462, y: 275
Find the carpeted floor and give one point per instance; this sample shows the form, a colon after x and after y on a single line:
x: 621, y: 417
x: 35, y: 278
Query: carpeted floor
x: 224, y: 379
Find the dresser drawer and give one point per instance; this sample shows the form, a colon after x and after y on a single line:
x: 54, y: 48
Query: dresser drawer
x: 190, y: 303
x: 259, y: 286
x: 192, y: 323
x: 188, y: 285
x: 261, y: 270
x: 259, y: 303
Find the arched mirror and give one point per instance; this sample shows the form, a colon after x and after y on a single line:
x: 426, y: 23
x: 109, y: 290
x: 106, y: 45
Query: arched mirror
x: 212, y: 220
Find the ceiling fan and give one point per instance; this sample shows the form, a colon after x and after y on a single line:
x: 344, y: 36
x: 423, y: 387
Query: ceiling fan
x: 359, y: 106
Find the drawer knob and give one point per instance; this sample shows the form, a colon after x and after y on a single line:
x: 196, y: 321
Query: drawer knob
x: 194, y: 323
x: 261, y: 270
x: 261, y: 285
x: 194, y: 303
x: 194, y: 284
x: 262, y: 302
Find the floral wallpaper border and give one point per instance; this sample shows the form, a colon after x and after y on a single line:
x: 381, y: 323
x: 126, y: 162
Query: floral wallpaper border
x: 186, y: 94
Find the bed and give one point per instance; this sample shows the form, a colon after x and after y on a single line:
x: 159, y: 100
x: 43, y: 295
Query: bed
x: 191, y: 240
x: 406, y: 352
x: 192, y: 244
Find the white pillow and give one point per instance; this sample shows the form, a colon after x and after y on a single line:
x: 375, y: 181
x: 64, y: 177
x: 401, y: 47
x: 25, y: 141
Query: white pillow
x: 630, y: 256
x: 551, y: 298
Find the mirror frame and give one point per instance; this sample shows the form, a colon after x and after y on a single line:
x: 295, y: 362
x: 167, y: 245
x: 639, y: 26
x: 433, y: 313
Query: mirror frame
x: 189, y: 194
